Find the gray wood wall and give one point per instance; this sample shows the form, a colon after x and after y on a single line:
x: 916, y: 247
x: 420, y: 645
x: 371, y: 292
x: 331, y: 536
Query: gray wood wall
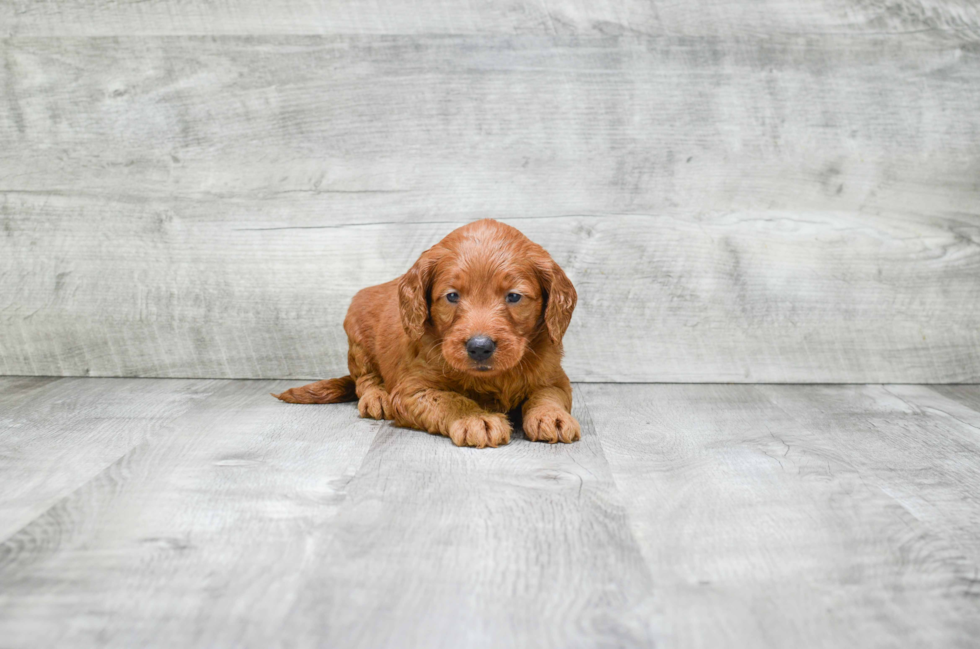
x: 756, y: 191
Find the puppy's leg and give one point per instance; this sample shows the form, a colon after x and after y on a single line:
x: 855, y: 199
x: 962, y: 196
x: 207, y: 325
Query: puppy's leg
x: 372, y: 399
x: 453, y: 415
x: 547, y: 416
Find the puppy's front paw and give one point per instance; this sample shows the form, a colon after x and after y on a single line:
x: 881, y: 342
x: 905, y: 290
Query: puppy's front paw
x: 480, y: 430
x: 550, y: 424
x: 375, y: 404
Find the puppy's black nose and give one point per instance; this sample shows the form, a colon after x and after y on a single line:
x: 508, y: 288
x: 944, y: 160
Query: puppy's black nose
x: 480, y: 348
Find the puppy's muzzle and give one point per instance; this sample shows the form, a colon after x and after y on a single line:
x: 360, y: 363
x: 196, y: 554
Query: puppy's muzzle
x: 480, y: 348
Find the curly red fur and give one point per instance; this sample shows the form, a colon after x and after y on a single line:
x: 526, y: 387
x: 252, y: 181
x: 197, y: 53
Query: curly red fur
x: 408, y: 360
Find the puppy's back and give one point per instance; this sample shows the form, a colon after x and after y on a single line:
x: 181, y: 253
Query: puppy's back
x: 373, y: 320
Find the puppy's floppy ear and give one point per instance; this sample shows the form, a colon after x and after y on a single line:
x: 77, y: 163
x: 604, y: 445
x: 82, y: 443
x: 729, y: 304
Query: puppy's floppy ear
x: 561, y: 297
x: 413, y: 293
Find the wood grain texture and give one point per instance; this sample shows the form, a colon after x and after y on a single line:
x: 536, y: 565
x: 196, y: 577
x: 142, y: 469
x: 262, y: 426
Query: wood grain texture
x: 445, y: 547
x: 816, y: 516
x: 959, y: 18
x: 243, y: 527
x: 740, y: 297
x: 200, y: 537
x: 967, y: 395
x: 788, y: 206
x: 688, y: 516
x: 56, y: 435
x: 912, y: 443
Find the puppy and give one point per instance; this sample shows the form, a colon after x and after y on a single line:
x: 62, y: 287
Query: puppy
x: 472, y: 331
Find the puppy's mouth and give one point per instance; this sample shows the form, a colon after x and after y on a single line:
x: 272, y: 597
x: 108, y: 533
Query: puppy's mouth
x: 483, y: 368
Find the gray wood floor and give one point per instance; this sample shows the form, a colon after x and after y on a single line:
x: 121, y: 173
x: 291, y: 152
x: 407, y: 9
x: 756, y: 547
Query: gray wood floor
x: 164, y: 512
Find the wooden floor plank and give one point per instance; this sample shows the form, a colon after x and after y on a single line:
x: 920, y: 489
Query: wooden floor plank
x: 909, y: 441
x: 765, y: 519
x: 968, y: 395
x: 196, y: 538
x: 523, y: 546
x: 58, y: 434
x: 688, y: 516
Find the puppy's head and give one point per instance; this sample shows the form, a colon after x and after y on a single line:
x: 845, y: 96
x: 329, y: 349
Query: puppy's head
x: 486, y: 292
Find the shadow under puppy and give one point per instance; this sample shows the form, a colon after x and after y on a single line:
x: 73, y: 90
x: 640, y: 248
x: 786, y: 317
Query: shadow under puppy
x: 472, y: 331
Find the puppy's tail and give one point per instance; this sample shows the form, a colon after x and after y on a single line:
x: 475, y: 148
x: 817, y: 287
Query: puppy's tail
x: 328, y: 391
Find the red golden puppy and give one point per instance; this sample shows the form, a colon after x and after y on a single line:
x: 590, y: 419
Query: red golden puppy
x: 472, y: 331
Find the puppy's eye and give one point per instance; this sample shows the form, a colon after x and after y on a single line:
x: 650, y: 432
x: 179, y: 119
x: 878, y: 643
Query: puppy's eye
x: 452, y: 298
x: 513, y: 298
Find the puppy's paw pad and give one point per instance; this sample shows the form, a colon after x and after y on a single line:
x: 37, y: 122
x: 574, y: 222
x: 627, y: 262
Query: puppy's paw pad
x: 480, y: 431
x: 375, y: 404
x: 551, y: 425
